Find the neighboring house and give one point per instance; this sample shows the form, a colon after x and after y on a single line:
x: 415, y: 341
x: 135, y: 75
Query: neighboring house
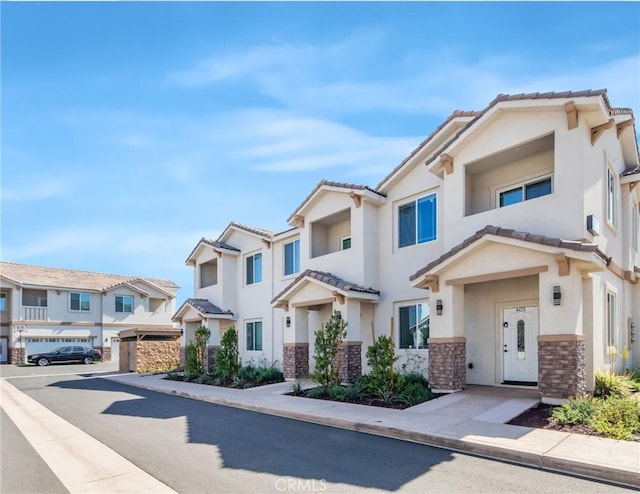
x: 503, y: 251
x: 43, y: 308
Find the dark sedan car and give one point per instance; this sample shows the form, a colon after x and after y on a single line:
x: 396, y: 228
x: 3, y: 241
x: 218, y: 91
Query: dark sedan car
x: 65, y: 354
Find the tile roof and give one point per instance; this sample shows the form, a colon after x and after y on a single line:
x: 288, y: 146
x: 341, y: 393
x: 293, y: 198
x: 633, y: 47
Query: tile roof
x: 454, y: 115
x: 328, y: 279
x: 26, y: 274
x: 204, y: 306
x: 631, y: 171
x: 262, y: 232
x: 506, y: 233
x: 330, y: 183
x: 524, y: 96
x: 218, y: 245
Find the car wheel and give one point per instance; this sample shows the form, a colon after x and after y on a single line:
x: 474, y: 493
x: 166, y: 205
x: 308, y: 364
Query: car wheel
x: 43, y: 362
x: 88, y: 360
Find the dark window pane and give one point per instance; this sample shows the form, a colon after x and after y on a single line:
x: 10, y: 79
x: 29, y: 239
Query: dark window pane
x: 538, y: 189
x: 257, y: 326
x: 509, y: 197
x: 249, y: 336
x: 249, y: 270
x: 407, y: 225
x: 75, y: 301
x: 289, y: 259
x: 407, y: 323
x: 521, y: 335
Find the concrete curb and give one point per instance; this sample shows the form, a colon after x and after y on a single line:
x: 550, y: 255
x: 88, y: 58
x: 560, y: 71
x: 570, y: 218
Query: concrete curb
x: 530, y: 459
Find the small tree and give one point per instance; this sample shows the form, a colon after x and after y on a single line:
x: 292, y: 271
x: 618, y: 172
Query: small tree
x: 191, y: 364
x: 227, y: 362
x: 327, y: 349
x: 381, y: 356
x: 201, y: 340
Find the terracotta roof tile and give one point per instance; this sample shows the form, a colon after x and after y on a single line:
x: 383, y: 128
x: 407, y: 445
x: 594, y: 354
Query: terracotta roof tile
x: 507, y: 233
x: 262, y: 232
x: 330, y: 183
x: 26, y: 274
x: 219, y: 245
x: 204, y: 306
x: 328, y: 279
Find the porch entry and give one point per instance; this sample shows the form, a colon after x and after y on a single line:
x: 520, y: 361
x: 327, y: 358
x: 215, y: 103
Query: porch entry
x: 520, y: 350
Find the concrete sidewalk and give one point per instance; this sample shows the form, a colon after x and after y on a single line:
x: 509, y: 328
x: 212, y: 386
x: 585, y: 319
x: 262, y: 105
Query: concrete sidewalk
x: 471, y: 421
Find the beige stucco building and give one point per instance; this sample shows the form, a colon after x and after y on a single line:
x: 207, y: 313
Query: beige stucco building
x: 42, y: 308
x: 503, y: 251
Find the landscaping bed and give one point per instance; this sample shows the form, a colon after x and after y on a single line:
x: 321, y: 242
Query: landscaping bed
x: 613, y: 411
x: 249, y: 376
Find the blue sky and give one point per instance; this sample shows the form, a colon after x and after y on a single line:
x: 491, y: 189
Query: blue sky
x: 131, y: 130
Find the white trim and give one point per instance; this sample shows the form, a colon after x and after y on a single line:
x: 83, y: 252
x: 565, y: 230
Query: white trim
x: 522, y: 184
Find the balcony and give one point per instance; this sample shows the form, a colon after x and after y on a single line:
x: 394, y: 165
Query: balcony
x: 34, y: 313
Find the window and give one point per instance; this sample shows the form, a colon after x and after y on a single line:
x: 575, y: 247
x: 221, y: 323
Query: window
x: 345, y: 243
x: 3, y: 302
x: 254, y: 336
x: 292, y: 258
x: 79, y: 301
x: 417, y: 221
x: 413, y: 321
x: 524, y: 192
x: 611, y: 197
x: 254, y: 269
x: 124, y: 303
x: 611, y: 324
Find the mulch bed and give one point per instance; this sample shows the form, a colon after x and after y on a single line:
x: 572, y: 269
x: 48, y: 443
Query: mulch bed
x: 368, y: 400
x: 540, y: 418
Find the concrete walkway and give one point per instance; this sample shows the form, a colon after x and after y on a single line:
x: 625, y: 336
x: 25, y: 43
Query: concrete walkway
x: 470, y: 421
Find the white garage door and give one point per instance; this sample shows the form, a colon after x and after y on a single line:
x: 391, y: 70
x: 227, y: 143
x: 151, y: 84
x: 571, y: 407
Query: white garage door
x: 40, y: 345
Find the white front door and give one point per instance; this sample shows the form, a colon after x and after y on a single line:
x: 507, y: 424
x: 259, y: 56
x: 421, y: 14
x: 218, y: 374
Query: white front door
x: 520, y: 348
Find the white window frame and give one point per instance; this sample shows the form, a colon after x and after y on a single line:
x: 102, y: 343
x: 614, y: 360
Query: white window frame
x: 246, y: 328
x: 246, y: 273
x: 115, y: 308
x: 296, y: 269
x: 80, y: 296
x: 522, y: 185
x: 611, y: 322
x: 611, y: 190
x: 409, y: 304
x: 417, y: 220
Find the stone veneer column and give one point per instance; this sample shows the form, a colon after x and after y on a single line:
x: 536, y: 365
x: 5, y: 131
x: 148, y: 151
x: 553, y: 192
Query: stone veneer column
x: 447, y: 363
x: 16, y: 355
x: 105, y: 352
x: 295, y: 360
x: 350, y: 361
x: 561, y: 366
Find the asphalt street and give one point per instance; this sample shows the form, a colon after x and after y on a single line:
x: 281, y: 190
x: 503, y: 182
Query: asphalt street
x: 197, y: 447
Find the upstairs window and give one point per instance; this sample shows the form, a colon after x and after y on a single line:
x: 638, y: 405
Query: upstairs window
x: 417, y: 221
x: 345, y: 243
x: 124, y: 304
x: 3, y: 302
x: 611, y: 324
x: 254, y: 336
x: 80, y: 302
x: 292, y: 258
x: 254, y: 269
x: 611, y: 197
x: 524, y: 192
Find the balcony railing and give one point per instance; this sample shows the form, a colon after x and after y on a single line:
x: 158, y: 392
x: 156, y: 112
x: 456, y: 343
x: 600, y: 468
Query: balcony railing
x: 35, y: 313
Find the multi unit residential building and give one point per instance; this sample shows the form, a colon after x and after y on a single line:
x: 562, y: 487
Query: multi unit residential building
x: 503, y: 251
x: 42, y: 308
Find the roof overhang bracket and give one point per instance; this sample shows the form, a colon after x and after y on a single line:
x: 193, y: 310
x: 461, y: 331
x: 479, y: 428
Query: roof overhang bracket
x: 357, y: 198
x: 572, y: 114
x: 446, y: 160
x: 339, y: 297
x: 598, y: 130
x: 563, y: 265
x: 298, y: 221
x: 267, y: 243
x: 623, y: 125
x: 432, y: 282
x: 283, y: 304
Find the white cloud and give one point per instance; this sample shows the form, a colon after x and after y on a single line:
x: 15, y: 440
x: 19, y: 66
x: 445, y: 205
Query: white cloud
x: 33, y: 189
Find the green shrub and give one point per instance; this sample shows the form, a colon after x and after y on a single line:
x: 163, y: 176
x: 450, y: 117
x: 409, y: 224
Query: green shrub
x: 296, y: 388
x: 227, y: 363
x: 200, y: 342
x: 191, y: 364
x: 617, y: 418
x: 634, y: 379
x: 248, y: 372
x: 608, y: 384
x: 327, y: 350
x: 414, y: 394
x: 317, y: 392
x: 337, y: 392
x: 383, y: 381
x: 268, y: 375
x: 576, y: 411
x: 354, y: 391
x: 414, y: 378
